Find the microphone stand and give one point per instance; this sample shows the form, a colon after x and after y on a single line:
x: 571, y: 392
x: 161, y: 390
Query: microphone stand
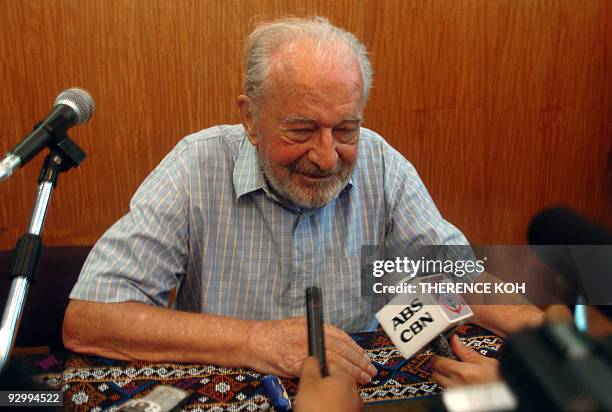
x: 64, y: 155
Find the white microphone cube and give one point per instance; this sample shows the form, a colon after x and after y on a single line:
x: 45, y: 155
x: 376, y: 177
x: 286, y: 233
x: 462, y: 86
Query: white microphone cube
x: 413, y: 320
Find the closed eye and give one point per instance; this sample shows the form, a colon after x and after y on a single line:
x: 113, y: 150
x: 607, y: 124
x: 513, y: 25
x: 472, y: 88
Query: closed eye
x: 345, y: 134
x: 299, y: 134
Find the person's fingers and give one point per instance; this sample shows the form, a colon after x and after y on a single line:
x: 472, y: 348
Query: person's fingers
x: 311, y: 370
x: 464, y: 353
x: 340, y: 335
x: 342, y: 345
x: 343, y: 382
x: 335, y: 369
x: 445, y: 366
x: 342, y: 389
x: 558, y: 313
x: 340, y: 378
x: 442, y: 380
x: 348, y: 367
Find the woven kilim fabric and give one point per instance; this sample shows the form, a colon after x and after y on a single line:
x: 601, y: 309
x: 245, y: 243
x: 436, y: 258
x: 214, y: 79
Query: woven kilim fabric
x: 98, y: 384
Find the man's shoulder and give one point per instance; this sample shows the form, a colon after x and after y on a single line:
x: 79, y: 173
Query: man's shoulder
x: 216, y: 146
x: 216, y: 137
x: 370, y: 138
x: 374, y: 149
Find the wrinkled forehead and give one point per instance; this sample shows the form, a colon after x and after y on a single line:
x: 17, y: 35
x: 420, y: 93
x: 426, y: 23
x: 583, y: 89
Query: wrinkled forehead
x: 330, y: 53
x: 305, y: 65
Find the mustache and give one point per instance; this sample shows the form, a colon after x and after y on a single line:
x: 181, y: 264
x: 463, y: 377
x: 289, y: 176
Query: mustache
x: 305, y: 166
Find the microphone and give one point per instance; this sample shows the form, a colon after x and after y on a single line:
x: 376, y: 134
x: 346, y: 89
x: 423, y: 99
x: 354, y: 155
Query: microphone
x: 414, y: 320
x: 577, y: 249
x: 560, y: 226
x: 72, y: 107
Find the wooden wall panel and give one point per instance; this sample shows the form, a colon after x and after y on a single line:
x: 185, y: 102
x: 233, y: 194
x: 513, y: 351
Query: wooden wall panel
x: 504, y: 107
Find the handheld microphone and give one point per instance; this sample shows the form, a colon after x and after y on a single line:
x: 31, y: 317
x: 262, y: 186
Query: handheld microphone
x: 316, y: 337
x: 560, y: 226
x: 413, y: 321
x: 576, y: 248
x: 72, y: 107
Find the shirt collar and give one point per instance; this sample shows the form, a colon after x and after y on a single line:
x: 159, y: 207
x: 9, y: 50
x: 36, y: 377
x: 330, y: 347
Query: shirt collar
x: 248, y: 176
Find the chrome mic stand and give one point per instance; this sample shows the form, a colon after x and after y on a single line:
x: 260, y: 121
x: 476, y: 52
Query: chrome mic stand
x: 64, y: 155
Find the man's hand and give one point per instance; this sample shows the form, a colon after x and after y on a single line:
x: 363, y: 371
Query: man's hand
x: 279, y: 347
x: 144, y: 332
x: 337, y: 392
x: 473, y: 368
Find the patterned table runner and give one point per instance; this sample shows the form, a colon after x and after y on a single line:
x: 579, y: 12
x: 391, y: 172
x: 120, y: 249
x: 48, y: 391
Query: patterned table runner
x: 99, y: 384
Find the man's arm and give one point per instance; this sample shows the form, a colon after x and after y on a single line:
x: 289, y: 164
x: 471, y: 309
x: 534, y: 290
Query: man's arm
x: 502, y: 315
x: 136, y: 331
x: 504, y: 320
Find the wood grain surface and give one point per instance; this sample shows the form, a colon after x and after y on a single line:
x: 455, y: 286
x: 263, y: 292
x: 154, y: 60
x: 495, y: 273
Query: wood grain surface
x: 504, y: 106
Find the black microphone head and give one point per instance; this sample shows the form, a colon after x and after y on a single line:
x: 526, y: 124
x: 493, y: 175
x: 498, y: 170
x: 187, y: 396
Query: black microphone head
x: 577, y: 249
x: 560, y: 226
x: 79, y: 100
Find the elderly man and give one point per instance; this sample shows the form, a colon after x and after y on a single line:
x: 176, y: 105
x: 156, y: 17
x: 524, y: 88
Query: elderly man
x: 241, y: 219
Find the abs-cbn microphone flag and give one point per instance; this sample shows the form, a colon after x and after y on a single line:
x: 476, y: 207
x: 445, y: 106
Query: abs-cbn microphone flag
x: 413, y: 320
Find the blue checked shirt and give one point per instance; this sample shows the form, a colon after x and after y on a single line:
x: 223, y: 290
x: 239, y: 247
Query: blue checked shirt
x: 206, y: 222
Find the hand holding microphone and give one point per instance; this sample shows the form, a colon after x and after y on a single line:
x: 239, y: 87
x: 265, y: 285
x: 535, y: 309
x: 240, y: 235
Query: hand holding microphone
x: 470, y: 367
x: 72, y: 107
x: 413, y: 321
x: 417, y: 320
x: 314, y: 319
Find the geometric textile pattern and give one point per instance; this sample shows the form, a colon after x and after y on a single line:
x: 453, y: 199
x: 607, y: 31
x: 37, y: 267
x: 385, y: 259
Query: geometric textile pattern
x: 98, y: 384
x: 402, y: 379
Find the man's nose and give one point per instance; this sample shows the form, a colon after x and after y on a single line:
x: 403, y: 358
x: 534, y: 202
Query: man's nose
x: 323, y: 151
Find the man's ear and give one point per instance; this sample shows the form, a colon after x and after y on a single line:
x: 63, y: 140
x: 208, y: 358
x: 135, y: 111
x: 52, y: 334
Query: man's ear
x: 246, y: 116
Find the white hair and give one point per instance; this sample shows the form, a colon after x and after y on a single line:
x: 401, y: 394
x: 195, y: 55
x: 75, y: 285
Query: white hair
x: 268, y: 38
